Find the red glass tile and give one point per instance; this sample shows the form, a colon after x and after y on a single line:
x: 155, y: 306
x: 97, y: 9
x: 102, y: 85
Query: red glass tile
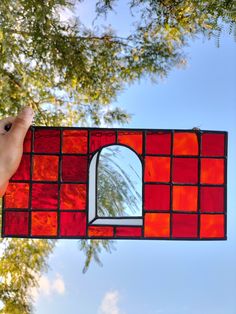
x: 131, y: 232
x: 185, y: 225
x: 44, y: 224
x: 212, y: 226
x: 44, y: 196
x: 17, y: 195
x: 73, y: 196
x: 73, y: 224
x: 16, y: 223
x: 131, y: 139
x: 47, y: 141
x: 157, y: 225
x: 212, y: 171
x: 158, y: 143
x: 212, y: 199
x: 101, y: 138
x: 45, y: 168
x: 185, y: 170
x: 157, y: 197
x: 213, y: 144
x: 27, y: 142
x: 185, y: 198
x: 185, y: 143
x: 100, y: 232
x: 74, y: 168
x: 23, y: 171
x: 157, y: 169
x: 75, y: 141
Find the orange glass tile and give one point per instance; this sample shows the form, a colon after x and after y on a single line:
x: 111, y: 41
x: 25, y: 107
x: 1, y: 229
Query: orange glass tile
x: 75, y: 141
x: 157, y: 169
x: 73, y: 224
x: 212, y: 226
x: 97, y: 231
x: 44, y: 224
x: 17, y: 195
x: 157, y: 225
x: 16, y: 223
x: 131, y: 139
x: 23, y: 171
x: 213, y: 144
x: 73, y: 196
x: 212, y: 171
x: 158, y: 143
x: 45, y: 168
x: 185, y: 198
x: 184, y: 225
x: 185, y: 143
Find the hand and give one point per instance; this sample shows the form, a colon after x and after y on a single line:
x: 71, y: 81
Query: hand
x: 12, y: 134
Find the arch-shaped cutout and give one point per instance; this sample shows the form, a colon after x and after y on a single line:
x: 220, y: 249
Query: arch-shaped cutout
x: 115, y: 187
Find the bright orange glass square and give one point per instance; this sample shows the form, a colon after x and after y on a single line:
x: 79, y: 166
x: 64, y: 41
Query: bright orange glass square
x: 157, y: 169
x: 45, y: 168
x: 157, y: 225
x: 185, y: 143
x: 212, y: 171
x: 44, y: 224
x: 75, y: 141
x: 17, y: 195
x: 106, y: 231
x: 212, y: 226
x: 185, y: 198
x: 132, y: 139
x: 73, y: 196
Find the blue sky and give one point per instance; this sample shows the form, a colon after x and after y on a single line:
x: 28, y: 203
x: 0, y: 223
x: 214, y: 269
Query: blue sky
x: 161, y: 277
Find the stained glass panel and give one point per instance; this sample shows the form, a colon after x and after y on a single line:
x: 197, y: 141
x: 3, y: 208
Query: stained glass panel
x: 54, y: 192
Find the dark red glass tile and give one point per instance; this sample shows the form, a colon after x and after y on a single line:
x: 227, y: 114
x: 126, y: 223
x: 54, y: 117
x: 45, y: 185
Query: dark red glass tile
x: 16, y: 223
x: 185, y: 143
x: 100, y: 232
x: 213, y: 144
x: 185, y: 225
x: 130, y: 232
x: 73, y: 196
x: 73, y: 224
x: 212, y: 226
x: 185, y: 170
x: 212, y: 171
x: 44, y: 196
x: 99, y: 139
x: 44, y: 224
x: 75, y: 141
x: 27, y: 142
x: 185, y: 198
x: 23, y: 171
x: 157, y: 197
x: 158, y: 143
x: 74, y: 168
x: 157, y: 225
x: 157, y: 169
x: 131, y: 139
x: 45, y: 168
x: 17, y: 195
x: 212, y: 199
x: 47, y: 141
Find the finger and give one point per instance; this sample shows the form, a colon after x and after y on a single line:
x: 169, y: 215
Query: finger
x: 21, y: 124
x: 5, y: 124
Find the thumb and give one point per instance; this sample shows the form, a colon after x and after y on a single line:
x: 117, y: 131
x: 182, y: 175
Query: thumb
x: 21, y: 124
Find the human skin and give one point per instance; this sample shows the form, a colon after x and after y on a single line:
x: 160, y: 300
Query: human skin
x: 11, y: 144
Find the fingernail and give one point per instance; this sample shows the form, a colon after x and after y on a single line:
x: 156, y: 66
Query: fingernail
x: 27, y: 111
